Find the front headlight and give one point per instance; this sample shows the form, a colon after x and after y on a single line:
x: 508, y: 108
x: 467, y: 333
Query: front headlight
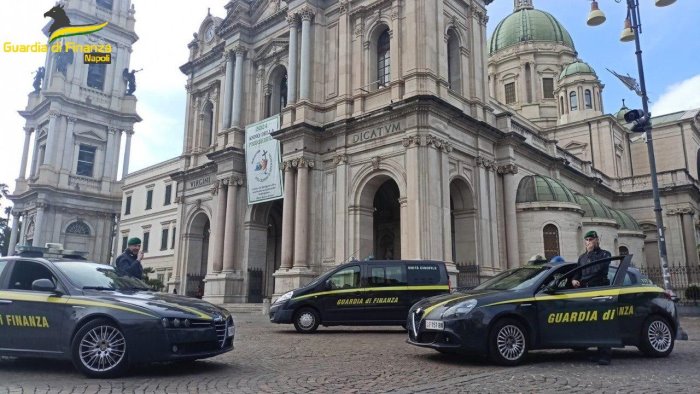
x: 459, y: 310
x: 284, y: 297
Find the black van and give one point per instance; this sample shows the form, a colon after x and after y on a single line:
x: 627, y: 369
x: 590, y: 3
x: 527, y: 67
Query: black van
x: 372, y: 292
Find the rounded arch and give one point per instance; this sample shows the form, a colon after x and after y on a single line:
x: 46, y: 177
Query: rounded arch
x: 379, y: 65
x: 78, y: 227
x: 194, y: 216
x: 208, y: 124
x: 367, y: 173
x: 454, y: 68
x: 463, y: 222
x: 550, y: 240
x: 196, y: 250
x: 276, y: 95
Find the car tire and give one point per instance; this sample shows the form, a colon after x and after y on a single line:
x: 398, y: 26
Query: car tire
x: 99, y: 349
x: 508, y: 344
x: 657, y: 337
x: 306, y: 320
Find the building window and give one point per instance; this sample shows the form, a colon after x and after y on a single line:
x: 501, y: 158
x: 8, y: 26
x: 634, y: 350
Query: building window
x: 107, y: 4
x: 79, y: 228
x: 384, y: 59
x: 528, y: 82
x: 548, y: 88
x: 172, y: 245
x: 42, y: 154
x: 624, y: 251
x: 149, y: 199
x: 127, y: 208
x: 164, y: 240
x: 510, y: 92
x: 146, y: 236
x: 454, y: 75
x: 96, y: 76
x: 283, y: 92
x: 168, y: 193
x: 276, y: 92
x: 587, y: 99
x: 86, y: 160
x: 125, y: 241
x: 550, y: 234
x: 573, y: 101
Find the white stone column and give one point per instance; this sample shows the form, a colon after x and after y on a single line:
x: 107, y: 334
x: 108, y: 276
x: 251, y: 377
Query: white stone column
x: 37, y: 239
x: 219, y: 227
x: 13, y: 234
x: 511, y: 218
x: 228, y: 88
x: 301, y: 214
x: 35, y: 159
x: 293, y: 21
x: 50, y: 151
x: 238, y: 87
x: 68, y: 146
x: 109, y: 153
x: 341, y: 207
x: 127, y: 152
x: 288, y: 208
x: 306, y: 56
x: 230, y: 226
x: 117, y: 152
x: 25, y: 153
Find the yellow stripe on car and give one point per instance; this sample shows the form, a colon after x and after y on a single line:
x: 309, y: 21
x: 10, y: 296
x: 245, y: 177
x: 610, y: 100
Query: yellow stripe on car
x: 584, y: 294
x: 368, y: 289
x: 17, y: 296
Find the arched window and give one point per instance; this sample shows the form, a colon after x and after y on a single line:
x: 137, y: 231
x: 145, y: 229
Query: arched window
x: 453, y: 65
x: 550, y: 234
x: 208, y: 124
x: 624, y: 251
x: 587, y: 99
x: 383, y: 59
x: 79, y: 228
x: 561, y: 104
x: 276, y: 92
x: 283, y: 92
x: 573, y: 101
x: 528, y: 82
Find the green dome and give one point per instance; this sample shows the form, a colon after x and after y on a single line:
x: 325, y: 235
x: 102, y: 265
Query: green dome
x: 620, y: 115
x: 577, y: 67
x: 625, y: 221
x: 593, y: 207
x: 528, y: 25
x: 535, y: 188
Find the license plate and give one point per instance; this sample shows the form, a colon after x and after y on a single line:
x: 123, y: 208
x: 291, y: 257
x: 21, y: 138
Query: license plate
x: 231, y: 330
x: 434, y: 325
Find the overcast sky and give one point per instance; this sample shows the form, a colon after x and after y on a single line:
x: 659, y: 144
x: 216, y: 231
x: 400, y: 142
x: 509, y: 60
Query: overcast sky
x: 669, y: 41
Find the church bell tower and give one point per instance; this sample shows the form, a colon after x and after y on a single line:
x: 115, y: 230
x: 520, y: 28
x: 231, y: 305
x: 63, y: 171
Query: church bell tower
x: 78, y: 117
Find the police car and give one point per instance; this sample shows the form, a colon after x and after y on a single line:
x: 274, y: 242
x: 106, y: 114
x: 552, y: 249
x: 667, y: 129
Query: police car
x: 103, y: 322
x: 535, y: 307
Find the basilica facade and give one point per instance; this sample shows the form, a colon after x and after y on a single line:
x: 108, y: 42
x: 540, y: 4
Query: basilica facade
x: 405, y: 133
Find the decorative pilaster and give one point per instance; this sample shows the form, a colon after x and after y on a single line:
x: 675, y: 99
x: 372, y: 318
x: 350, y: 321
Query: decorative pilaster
x: 219, y: 226
x: 230, y: 230
x: 37, y: 239
x: 25, y: 153
x: 228, y: 88
x: 301, y: 223
x: 50, y: 151
x: 13, y: 233
x: 511, y: 219
x: 306, y: 15
x: 238, y: 87
x: 288, y: 208
x: 127, y: 153
x: 69, y: 146
x: 293, y: 21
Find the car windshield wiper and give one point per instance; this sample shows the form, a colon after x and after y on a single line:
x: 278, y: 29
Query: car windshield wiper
x: 136, y: 288
x: 98, y: 288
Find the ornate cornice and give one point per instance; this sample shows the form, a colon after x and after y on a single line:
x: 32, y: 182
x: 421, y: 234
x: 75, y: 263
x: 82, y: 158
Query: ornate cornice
x: 427, y: 140
x: 509, y: 168
x: 680, y: 211
x: 487, y: 164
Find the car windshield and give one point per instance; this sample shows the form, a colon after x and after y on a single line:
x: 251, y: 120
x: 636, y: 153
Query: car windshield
x: 515, y: 279
x: 98, y: 276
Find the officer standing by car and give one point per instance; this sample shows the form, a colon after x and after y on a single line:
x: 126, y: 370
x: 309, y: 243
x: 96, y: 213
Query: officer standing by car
x: 129, y: 262
x: 596, y: 275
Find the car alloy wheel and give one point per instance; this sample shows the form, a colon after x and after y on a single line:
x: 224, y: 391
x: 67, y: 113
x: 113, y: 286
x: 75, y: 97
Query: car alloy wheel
x: 99, y: 349
x: 306, y: 321
x: 657, y: 337
x: 508, y: 342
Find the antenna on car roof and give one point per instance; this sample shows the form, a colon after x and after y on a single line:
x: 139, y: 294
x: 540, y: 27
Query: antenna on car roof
x: 351, y: 257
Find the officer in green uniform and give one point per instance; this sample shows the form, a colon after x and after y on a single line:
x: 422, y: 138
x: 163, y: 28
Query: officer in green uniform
x: 594, y: 276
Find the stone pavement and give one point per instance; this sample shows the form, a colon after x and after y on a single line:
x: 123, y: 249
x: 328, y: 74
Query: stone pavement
x: 272, y: 358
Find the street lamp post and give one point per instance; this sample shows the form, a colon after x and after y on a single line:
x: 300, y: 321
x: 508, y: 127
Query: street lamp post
x: 596, y: 17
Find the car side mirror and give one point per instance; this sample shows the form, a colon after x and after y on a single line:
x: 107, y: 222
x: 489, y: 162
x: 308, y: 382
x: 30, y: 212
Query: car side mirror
x: 43, y: 285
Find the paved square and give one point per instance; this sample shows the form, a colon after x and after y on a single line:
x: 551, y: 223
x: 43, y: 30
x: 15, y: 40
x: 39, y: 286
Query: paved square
x: 274, y: 358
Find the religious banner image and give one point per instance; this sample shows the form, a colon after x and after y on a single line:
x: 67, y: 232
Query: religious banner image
x: 263, y: 161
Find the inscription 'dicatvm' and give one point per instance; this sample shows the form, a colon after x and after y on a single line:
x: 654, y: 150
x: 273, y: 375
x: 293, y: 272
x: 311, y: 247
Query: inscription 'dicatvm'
x: 376, y: 132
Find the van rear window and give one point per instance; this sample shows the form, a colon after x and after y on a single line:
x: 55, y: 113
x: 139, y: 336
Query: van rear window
x: 389, y: 275
x: 423, y: 274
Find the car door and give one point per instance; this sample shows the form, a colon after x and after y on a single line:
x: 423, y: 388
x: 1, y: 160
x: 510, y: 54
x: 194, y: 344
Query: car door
x: 578, y: 317
x: 33, y: 319
x: 344, y: 299
x: 5, y: 306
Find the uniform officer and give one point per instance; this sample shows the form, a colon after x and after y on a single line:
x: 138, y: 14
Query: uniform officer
x: 595, y: 275
x: 129, y: 262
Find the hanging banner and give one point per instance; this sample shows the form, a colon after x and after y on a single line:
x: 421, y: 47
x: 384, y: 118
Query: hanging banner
x: 263, y: 161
